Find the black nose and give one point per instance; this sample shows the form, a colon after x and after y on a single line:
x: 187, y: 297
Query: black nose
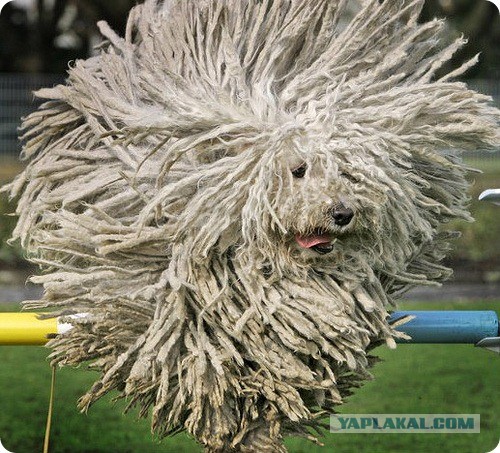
x: 341, y: 215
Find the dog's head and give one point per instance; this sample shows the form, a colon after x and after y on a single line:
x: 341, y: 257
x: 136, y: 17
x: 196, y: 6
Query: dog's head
x: 295, y: 197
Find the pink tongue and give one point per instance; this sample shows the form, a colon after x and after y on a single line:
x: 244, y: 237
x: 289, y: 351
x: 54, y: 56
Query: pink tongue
x: 310, y: 241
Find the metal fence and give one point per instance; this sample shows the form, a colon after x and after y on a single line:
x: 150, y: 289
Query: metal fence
x: 17, y: 100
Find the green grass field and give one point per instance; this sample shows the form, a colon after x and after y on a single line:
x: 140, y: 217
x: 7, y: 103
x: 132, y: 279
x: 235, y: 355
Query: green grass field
x: 412, y: 379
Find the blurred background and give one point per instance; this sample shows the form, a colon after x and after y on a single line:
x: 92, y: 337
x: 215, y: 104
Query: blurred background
x: 38, y: 41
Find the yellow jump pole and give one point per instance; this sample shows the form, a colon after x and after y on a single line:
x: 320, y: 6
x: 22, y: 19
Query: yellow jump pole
x: 27, y: 329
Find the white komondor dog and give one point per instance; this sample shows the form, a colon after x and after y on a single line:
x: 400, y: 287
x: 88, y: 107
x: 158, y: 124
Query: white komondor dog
x: 234, y: 193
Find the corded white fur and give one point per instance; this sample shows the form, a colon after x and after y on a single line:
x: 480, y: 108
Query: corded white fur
x: 158, y: 197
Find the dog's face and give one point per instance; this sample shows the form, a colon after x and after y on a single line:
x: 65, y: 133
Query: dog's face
x: 352, y: 205
x: 323, y: 207
x: 312, y: 202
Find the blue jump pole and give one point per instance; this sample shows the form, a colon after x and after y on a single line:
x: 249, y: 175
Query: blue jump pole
x: 448, y: 326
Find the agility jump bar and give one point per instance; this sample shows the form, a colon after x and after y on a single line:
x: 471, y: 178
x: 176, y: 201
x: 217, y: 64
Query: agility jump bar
x: 24, y: 329
x: 448, y: 326
x: 468, y: 327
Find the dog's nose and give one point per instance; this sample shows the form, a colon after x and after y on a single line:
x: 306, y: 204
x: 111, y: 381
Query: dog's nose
x: 342, y: 215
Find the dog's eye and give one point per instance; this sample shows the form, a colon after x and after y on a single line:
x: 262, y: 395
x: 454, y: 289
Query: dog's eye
x: 300, y: 171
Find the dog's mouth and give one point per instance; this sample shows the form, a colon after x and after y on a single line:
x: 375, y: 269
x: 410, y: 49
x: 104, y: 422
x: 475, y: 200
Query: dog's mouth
x: 320, y: 242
